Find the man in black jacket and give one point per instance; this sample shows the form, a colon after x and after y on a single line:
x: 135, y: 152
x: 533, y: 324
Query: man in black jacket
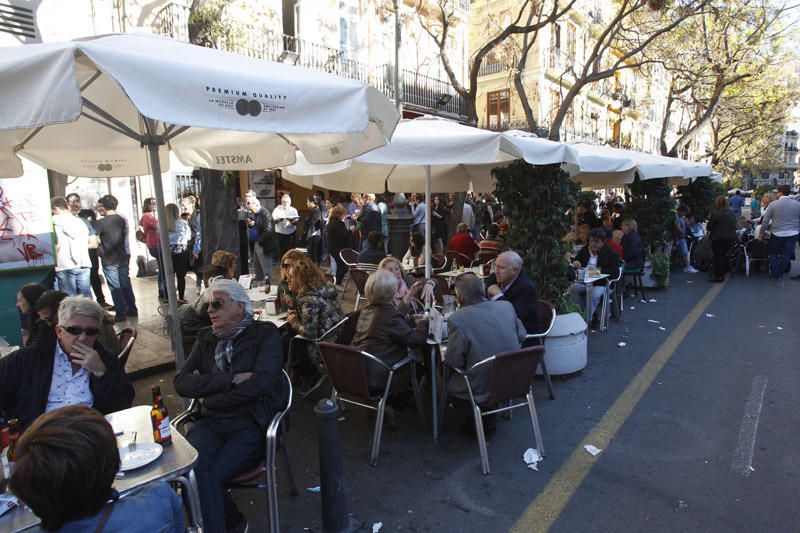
x: 262, y: 239
x: 68, y: 368
x: 601, y: 257
x: 235, y: 371
x: 510, y: 283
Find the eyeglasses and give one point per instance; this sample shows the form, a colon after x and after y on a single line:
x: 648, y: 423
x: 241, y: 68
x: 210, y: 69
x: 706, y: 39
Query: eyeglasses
x: 286, y: 266
x: 217, y: 304
x: 77, y: 330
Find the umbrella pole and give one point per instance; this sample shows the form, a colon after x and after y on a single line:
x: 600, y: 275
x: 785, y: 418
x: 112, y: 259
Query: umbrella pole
x: 166, y: 254
x: 428, y: 208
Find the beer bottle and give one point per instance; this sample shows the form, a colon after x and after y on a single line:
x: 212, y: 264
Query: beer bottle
x: 13, y: 437
x: 159, y: 418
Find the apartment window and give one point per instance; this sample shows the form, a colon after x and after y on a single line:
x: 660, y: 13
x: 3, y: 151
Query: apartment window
x: 497, y: 109
x: 555, y: 104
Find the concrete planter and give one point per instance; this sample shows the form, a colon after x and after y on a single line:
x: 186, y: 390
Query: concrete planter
x: 565, y: 348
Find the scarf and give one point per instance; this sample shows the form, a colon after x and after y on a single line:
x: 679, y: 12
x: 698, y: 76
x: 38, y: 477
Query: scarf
x: 223, y: 354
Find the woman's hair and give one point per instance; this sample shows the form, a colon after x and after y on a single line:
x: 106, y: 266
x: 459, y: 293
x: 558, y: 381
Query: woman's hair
x: 721, y: 203
x: 235, y: 292
x: 31, y: 292
x: 66, y: 463
x: 292, y: 255
x: 223, y: 259
x: 419, y: 240
x: 79, y: 305
x: 390, y: 259
x: 313, y: 198
x: 211, y: 273
x: 437, y: 197
x: 338, y: 211
x: 632, y: 223
x: 50, y: 300
x: 493, y: 230
x: 307, y: 274
x: 149, y: 205
x: 380, y: 287
x: 173, y: 214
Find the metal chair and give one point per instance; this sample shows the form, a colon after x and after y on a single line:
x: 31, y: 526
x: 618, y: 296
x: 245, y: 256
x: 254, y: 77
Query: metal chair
x: 510, y: 377
x: 610, y: 297
x: 459, y: 259
x: 441, y: 263
x: 359, y: 278
x: 347, y: 367
x: 328, y: 335
x: 547, y: 317
x: 126, y: 339
x: 487, y: 257
x: 250, y: 479
x: 638, y: 285
x: 349, y: 258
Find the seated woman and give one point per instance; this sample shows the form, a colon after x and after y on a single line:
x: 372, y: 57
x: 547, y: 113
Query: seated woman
x: 415, y: 256
x: 46, y: 308
x: 382, y: 330
x: 615, y: 242
x: 286, y: 298
x: 407, y: 287
x: 316, y: 311
x: 33, y: 330
x: 67, y: 461
x: 632, y: 247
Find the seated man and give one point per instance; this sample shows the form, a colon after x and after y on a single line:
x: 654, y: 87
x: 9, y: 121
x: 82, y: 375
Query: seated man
x: 462, y: 242
x: 70, y: 368
x: 478, y: 330
x: 510, y: 283
x: 492, y: 242
x: 235, y: 371
x: 599, y: 255
x: 76, y: 448
x: 373, y: 253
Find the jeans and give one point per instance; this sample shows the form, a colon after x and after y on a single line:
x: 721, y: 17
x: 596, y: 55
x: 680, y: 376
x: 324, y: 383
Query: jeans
x: 119, y: 282
x: 156, y: 253
x: 227, y: 448
x: 578, y: 293
x: 315, y: 248
x: 780, y: 253
x: 94, y: 277
x: 262, y: 262
x: 75, y: 281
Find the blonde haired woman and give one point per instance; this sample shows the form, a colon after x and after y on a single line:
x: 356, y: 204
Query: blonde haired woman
x: 407, y: 288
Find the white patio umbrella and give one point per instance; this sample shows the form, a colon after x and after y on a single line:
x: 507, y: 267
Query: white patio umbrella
x: 430, y: 153
x: 91, y: 107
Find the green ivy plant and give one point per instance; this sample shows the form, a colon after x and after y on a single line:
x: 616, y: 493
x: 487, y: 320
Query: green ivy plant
x: 650, y: 205
x: 660, y: 263
x: 537, y: 200
x: 699, y: 196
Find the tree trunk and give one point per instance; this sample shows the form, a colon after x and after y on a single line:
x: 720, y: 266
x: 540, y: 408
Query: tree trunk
x: 219, y: 221
x: 471, y: 108
x: 555, y: 127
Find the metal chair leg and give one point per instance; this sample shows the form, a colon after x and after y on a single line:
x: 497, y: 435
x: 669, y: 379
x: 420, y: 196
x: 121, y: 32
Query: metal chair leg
x: 476, y: 412
x: 417, y: 395
x: 272, y: 485
x: 358, y: 297
x: 289, y: 472
x: 547, y: 380
x: 442, y: 404
x: 537, y: 433
x: 376, y: 437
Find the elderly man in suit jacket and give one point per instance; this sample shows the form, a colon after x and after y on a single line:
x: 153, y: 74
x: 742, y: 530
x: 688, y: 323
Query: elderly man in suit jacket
x: 511, y: 284
x: 480, y: 329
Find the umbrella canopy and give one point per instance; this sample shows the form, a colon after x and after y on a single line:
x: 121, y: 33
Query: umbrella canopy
x: 89, y: 107
x: 434, y: 154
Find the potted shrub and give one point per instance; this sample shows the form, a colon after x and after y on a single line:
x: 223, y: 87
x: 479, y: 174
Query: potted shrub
x: 538, y: 200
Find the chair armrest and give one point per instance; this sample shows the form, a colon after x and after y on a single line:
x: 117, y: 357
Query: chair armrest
x: 183, y: 417
x: 402, y: 362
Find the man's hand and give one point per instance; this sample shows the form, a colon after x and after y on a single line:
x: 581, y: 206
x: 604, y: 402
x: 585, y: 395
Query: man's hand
x: 88, y: 358
x: 493, y: 290
x: 241, y: 377
x: 577, y: 264
x: 250, y: 222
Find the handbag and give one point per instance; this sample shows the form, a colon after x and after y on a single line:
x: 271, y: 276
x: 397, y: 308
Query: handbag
x: 140, y: 234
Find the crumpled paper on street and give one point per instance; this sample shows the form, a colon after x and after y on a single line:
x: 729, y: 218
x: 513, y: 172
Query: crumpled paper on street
x: 592, y: 449
x: 532, y: 458
x: 377, y: 527
x: 622, y: 344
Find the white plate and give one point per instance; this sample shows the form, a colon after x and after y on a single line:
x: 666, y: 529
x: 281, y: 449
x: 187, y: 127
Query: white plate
x: 145, y: 453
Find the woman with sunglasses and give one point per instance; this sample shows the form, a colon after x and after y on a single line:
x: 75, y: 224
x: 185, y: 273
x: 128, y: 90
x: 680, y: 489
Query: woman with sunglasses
x: 71, y: 368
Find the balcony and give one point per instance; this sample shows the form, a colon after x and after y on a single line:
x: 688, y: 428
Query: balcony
x: 428, y: 95
x: 561, y: 61
x: 489, y: 68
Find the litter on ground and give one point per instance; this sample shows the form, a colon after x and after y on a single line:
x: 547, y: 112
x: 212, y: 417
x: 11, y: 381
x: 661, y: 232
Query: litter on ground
x: 592, y: 449
x: 532, y: 458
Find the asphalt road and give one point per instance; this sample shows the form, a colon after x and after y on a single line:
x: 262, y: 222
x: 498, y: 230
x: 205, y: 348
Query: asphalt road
x: 697, y: 422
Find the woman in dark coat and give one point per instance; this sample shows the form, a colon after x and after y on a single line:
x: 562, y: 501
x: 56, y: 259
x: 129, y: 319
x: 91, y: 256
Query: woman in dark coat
x: 632, y: 246
x: 312, y: 229
x: 722, y: 231
x: 439, y: 217
x: 338, y: 239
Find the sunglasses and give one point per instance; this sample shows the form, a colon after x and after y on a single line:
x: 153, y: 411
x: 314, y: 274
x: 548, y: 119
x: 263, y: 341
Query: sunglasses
x: 286, y: 266
x: 217, y: 304
x: 77, y: 330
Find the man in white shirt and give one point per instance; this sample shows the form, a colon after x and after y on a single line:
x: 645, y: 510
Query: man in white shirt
x: 285, y: 218
x: 73, y: 265
x: 782, y: 218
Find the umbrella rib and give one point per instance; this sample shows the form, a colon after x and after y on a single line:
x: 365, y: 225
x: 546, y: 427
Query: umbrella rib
x: 169, y: 135
x: 112, y: 122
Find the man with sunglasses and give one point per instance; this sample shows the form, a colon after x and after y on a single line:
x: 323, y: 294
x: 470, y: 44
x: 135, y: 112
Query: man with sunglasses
x: 70, y: 368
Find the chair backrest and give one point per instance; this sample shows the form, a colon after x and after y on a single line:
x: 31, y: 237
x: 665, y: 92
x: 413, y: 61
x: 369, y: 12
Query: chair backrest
x: 438, y: 261
x: 347, y: 368
x: 348, y: 329
x: 359, y: 277
x: 349, y: 256
x: 511, y: 373
x: 486, y: 257
x: 459, y: 258
x: 547, y: 316
x: 126, y: 339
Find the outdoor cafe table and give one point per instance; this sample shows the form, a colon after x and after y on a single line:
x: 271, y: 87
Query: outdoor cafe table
x: 478, y: 271
x: 588, y: 282
x: 176, y: 465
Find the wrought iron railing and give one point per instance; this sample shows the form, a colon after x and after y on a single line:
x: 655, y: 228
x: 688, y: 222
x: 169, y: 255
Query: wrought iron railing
x: 432, y: 94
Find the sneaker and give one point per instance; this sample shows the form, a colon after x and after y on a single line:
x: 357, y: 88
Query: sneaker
x: 691, y: 270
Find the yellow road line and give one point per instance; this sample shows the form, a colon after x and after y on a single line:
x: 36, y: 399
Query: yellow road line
x: 546, y: 508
